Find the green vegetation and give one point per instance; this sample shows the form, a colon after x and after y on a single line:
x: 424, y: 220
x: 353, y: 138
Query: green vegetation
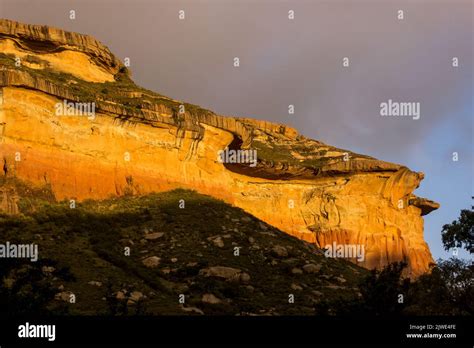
x: 460, y: 233
x: 90, y: 241
x: 27, y: 289
x: 85, y: 248
x: 119, y: 91
x: 447, y: 290
x: 280, y: 153
x: 35, y: 60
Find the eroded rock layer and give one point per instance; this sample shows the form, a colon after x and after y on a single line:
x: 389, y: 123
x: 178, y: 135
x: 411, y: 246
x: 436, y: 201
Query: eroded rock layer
x: 138, y: 141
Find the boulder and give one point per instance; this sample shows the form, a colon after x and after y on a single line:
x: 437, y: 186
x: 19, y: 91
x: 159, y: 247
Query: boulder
x: 151, y: 262
x: 210, y: 298
x: 279, y: 251
x: 312, y: 268
x: 226, y: 273
x: 153, y: 236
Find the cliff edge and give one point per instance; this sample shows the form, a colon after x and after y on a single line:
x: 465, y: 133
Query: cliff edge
x: 134, y: 141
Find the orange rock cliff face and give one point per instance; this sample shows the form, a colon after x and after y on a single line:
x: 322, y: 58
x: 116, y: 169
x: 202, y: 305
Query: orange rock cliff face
x: 137, y: 141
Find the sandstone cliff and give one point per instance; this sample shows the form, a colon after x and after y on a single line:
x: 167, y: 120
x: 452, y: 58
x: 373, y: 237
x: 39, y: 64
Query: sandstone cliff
x: 139, y: 141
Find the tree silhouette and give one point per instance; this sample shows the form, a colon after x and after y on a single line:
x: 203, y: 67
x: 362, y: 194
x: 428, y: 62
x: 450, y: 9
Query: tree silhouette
x: 460, y: 233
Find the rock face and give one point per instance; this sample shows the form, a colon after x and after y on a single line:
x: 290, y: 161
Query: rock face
x: 138, y: 141
x: 8, y: 200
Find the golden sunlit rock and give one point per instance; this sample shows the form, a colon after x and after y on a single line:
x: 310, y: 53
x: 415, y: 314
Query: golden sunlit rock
x: 139, y: 142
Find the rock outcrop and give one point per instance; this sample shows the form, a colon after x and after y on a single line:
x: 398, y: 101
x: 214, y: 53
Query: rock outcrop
x: 9, y: 200
x: 137, y: 141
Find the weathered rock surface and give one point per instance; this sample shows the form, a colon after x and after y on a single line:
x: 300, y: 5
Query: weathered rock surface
x: 151, y: 262
x: 210, y: 298
x: 139, y: 142
x: 279, y: 251
x: 226, y: 273
x: 8, y: 200
x: 153, y: 236
x: 311, y: 268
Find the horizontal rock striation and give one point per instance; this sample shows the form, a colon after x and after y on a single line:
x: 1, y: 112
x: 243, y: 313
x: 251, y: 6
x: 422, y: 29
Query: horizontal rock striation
x: 42, y: 39
x: 139, y: 141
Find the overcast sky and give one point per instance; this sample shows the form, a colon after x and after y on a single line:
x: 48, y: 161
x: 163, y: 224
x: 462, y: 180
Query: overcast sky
x: 299, y: 62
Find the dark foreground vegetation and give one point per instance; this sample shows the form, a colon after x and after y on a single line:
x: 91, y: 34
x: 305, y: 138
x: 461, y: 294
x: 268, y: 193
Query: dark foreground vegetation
x: 182, y: 253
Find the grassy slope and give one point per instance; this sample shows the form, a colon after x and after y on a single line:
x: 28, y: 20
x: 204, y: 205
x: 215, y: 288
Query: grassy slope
x: 90, y: 239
